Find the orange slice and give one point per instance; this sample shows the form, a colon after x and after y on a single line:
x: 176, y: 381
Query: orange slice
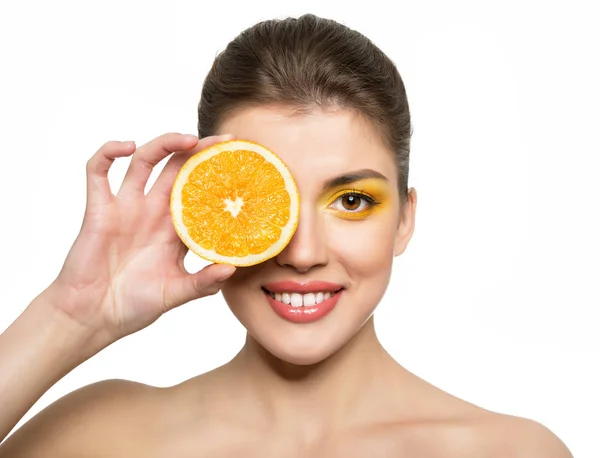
x: 235, y: 202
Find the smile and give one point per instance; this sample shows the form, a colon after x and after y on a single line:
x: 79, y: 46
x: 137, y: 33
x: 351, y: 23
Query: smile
x: 302, y: 303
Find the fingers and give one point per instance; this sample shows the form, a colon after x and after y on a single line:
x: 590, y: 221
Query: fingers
x: 193, y: 286
x: 146, y: 157
x: 98, y: 188
x: 164, y: 182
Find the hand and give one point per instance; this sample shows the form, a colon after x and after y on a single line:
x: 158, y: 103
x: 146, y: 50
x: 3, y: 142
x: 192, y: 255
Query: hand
x: 125, y: 268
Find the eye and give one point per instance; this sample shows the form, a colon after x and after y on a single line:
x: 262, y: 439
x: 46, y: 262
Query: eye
x: 353, y: 202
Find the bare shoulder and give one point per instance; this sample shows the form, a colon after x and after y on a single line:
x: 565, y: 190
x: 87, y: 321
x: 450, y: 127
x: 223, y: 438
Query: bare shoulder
x: 95, y: 417
x: 463, y: 429
x: 507, y: 436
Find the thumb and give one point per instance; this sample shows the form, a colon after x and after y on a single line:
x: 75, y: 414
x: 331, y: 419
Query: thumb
x: 188, y: 287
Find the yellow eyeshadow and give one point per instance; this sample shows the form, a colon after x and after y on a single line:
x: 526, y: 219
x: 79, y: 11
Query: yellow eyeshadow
x: 376, y: 189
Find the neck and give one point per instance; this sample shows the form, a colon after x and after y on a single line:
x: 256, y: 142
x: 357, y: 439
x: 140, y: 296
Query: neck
x: 353, y: 383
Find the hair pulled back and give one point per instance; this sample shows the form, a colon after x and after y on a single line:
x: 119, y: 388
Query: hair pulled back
x: 308, y: 63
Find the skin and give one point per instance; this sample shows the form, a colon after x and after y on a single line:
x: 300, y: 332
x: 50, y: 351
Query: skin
x: 324, y: 389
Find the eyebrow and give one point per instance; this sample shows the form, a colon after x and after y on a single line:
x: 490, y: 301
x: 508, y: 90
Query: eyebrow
x: 351, y: 177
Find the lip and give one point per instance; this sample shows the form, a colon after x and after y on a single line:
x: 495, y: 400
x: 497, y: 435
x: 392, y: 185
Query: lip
x: 305, y: 313
x: 302, y: 287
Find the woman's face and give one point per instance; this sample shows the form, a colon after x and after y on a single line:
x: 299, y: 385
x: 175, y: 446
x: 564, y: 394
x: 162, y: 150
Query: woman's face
x: 348, y: 233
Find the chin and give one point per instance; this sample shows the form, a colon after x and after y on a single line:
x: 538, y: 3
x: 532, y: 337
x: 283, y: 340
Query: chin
x: 299, y: 354
x: 303, y: 344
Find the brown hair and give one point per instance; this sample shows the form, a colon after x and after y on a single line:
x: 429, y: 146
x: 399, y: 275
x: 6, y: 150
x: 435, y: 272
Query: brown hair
x: 308, y: 63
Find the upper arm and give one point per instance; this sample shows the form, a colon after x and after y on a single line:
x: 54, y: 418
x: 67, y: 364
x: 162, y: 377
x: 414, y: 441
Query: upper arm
x: 516, y: 437
x: 89, y: 419
x: 537, y: 441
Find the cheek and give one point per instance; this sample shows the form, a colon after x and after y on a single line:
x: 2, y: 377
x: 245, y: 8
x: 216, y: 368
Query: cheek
x: 366, y: 248
x: 235, y: 289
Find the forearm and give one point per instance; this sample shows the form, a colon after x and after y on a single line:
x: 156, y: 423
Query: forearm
x: 36, y: 351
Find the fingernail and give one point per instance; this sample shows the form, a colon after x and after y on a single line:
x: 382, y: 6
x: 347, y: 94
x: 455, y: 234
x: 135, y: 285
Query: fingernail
x: 190, y: 137
x: 225, y: 271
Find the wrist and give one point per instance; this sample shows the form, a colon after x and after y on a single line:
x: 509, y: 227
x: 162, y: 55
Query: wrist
x: 62, y: 331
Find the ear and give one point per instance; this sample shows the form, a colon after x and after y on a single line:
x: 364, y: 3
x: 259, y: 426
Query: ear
x: 406, y: 227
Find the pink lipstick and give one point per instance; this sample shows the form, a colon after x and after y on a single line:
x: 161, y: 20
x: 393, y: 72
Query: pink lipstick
x: 302, y: 302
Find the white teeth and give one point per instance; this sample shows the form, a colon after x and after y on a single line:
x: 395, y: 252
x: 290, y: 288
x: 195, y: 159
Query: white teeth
x: 309, y: 299
x: 296, y: 300
x: 299, y: 300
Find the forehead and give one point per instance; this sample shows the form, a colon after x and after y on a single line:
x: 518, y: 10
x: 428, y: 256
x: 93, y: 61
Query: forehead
x: 315, y: 145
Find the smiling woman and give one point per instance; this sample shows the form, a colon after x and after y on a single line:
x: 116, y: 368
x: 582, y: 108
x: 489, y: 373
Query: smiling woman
x: 357, y: 165
x: 312, y: 375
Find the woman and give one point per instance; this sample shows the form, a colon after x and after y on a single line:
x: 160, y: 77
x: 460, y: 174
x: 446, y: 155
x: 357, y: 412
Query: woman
x: 333, y: 106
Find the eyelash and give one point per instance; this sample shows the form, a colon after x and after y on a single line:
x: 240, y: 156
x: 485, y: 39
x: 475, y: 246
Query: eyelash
x: 370, y: 201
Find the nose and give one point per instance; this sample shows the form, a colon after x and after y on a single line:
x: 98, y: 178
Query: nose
x: 307, y: 248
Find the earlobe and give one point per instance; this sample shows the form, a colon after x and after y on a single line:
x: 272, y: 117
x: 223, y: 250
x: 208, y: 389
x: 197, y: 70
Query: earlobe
x: 406, y: 226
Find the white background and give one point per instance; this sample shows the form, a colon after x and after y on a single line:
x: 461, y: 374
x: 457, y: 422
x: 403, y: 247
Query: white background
x: 496, y: 298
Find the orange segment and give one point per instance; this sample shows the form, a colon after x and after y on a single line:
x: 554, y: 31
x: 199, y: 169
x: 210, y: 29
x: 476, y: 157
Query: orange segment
x: 235, y: 202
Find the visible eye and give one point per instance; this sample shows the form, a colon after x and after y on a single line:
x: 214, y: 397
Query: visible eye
x: 353, y: 202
